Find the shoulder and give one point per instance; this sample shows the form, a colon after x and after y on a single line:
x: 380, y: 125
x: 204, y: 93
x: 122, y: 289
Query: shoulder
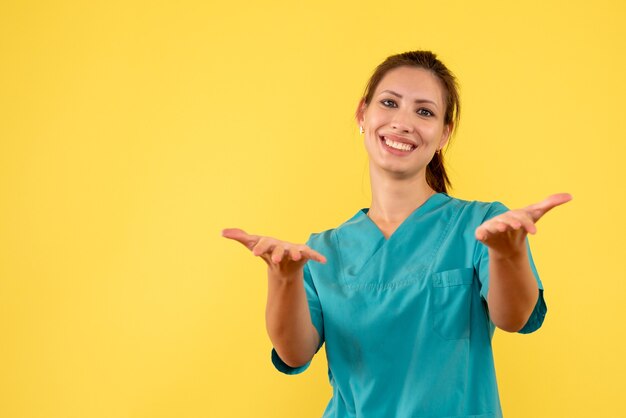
x: 320, y: 239
x: 478, y: 209
x: 327, y: 237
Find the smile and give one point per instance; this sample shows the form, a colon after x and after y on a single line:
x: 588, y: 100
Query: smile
x: 390, y: 144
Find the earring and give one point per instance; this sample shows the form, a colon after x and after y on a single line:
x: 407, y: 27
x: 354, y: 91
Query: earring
x: 361, y: 130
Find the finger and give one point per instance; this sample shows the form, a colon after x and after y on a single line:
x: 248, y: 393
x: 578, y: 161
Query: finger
x: 484, y: 235
x: 277, y: 254
x: 491, y: 227
x: 537, y: 210
x: 518, y: 221
x: 496, y: 225
x: 264, y: 245
x: 481, y: 232
x: 311, y: 254
x: 502, y: 226
x: 524, y: 220
x: 294, y: 253
x: 241, y: 236
x: 511, y: 218
x: 506, y: 222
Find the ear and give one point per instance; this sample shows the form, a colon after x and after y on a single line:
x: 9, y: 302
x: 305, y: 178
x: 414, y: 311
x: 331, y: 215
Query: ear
x: 445, y: 136
x: 360, y: 111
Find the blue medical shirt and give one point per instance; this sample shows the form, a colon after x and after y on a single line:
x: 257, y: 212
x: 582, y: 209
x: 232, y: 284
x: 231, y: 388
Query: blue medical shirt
x: 405, y: 319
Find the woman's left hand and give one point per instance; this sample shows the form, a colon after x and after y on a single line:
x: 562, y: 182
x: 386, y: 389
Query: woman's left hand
x: 505, y: 234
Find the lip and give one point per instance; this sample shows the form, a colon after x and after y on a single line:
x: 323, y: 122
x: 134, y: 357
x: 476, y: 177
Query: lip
x: 397, y: 138
x: 394, y: 151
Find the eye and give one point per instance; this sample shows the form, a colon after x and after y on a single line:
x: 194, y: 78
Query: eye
x: 388, y: 103
x: 424, y: 112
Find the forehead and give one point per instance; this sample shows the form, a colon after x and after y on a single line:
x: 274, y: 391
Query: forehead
x: 412, y: 83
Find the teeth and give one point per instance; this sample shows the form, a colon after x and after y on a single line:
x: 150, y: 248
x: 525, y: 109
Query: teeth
x: 398, y: 145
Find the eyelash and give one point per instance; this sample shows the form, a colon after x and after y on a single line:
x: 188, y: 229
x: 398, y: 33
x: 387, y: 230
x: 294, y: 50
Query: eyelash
x: 430, y: 113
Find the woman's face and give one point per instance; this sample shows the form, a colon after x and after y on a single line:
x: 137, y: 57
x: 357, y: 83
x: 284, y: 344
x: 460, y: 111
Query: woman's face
x: 403, y: 123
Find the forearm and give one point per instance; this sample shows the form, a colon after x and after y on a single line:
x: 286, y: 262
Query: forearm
x: 288, y: 320
x: 513, y: 290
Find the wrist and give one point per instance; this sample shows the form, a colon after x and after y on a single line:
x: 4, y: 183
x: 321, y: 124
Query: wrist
x: 511, y: 256
x: 279, y: 277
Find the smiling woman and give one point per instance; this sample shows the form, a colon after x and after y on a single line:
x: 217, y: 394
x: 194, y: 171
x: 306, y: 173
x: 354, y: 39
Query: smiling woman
x: 438, y: 97
x: 406, y: 294
x: 405, y: 117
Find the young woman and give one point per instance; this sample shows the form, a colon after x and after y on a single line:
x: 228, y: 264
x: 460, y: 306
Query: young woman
x: 406, y: 295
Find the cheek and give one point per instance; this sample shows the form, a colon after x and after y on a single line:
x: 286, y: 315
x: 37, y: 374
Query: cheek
x: 370, y: 142
x: 374, y: 119
x: 431, y: 130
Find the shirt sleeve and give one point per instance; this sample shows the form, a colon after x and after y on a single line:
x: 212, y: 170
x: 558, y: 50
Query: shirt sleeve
x: 481, y: 264
x: 315, y: 309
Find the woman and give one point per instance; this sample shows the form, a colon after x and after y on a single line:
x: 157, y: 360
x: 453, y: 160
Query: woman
x: 406, y: 294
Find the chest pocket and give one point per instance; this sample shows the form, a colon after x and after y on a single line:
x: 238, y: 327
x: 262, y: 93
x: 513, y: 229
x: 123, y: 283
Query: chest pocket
x: 451, y: 303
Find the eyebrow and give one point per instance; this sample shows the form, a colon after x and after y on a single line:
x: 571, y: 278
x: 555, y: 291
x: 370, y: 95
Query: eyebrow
x: 398, y: 95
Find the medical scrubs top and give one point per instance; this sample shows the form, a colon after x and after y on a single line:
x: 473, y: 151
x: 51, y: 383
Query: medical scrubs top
x: 405, y: 319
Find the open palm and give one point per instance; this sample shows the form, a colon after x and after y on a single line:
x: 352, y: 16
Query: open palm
x: 506, y: 233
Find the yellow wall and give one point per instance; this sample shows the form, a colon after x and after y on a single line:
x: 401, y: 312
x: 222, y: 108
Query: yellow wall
x: 131, y: 133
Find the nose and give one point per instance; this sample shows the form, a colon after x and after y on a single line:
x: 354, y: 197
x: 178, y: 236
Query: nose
x: 400, y: 122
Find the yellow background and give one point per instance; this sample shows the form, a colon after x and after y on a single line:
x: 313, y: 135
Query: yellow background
x: 132, y: 132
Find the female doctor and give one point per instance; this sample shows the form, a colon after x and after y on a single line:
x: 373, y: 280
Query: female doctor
x: 406, y: 295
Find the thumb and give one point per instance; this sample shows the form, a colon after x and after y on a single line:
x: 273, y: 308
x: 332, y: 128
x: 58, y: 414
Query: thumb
x: 537, y: 210
x: 249, y: 241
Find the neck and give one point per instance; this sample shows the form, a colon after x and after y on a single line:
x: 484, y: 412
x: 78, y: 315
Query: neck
x: 395, y: 198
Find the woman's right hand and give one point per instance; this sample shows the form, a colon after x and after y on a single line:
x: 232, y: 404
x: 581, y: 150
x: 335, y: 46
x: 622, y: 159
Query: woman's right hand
x: 287, y: 316
x: 282, y: 257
